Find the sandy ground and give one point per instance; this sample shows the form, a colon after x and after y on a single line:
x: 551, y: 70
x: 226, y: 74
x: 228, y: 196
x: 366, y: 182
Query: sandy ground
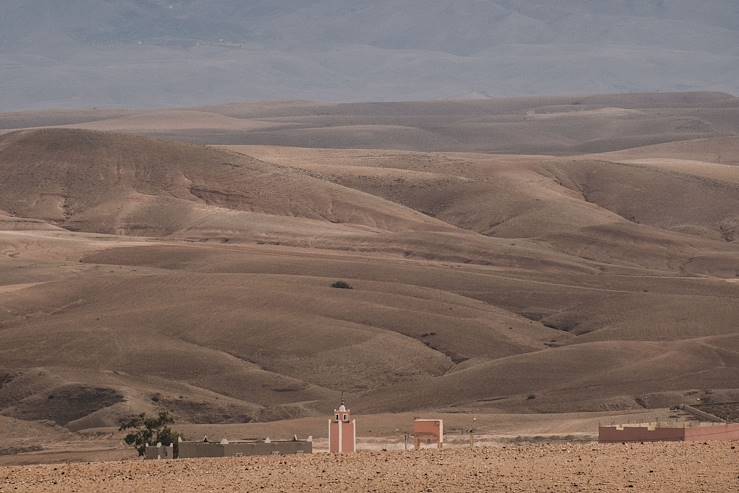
x: 36, y: 443
x: 515, y: 286
x: 689, y: 467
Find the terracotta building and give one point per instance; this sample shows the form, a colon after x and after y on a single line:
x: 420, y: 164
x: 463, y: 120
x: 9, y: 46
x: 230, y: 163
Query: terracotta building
x: 342, y: 431
x: 655, y: 433
x: 428, y: 432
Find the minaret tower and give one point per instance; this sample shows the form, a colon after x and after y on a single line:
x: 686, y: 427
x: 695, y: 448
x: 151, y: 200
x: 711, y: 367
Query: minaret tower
x: 342, y: 431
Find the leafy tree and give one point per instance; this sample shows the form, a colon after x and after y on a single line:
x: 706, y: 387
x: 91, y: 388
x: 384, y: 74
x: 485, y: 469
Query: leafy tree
x: 149, y: 430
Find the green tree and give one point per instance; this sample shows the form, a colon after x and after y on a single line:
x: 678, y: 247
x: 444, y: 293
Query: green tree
x: 149, y: 430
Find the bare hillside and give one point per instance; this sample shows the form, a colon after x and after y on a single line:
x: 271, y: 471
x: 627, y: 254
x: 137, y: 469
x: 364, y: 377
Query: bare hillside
x: 533, y: 125
x: 138, y: 274
x: 123, y: 184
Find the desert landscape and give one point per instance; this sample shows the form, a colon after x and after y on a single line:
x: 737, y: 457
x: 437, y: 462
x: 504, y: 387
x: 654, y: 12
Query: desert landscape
x: 542, y: 265
x: 306, y: 245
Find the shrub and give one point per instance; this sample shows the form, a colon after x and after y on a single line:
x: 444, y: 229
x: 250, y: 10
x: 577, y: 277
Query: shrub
x: 341, y: 285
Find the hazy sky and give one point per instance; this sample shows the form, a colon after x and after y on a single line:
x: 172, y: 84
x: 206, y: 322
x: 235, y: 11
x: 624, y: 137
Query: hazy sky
x: 141, y: 53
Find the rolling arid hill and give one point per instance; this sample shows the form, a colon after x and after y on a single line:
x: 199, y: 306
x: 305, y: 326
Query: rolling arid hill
x: 185, y: 260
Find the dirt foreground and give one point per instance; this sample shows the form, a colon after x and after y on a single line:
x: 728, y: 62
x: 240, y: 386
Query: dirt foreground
x: 689, y: 467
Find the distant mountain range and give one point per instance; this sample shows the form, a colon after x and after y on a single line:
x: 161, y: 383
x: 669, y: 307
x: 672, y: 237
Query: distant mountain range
x: 187, y: 52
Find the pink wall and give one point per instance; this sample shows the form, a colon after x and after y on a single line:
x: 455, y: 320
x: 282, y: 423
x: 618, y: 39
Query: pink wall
x: 333, y: 436
x: 427, y: 427
x: 348, y: 437
x: 715, y: 432
x: 609, y: 434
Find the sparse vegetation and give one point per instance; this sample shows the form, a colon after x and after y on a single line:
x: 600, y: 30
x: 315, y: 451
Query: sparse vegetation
x: 342, y: 285
x: 149, y: 430
x: 449, y: 306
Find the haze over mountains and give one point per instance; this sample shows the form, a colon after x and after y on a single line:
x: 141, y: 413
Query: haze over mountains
x: 139, y: 53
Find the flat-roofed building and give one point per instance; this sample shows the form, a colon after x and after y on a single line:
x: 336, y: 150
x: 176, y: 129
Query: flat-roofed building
x: 428, y: 432
x: 654, y: 432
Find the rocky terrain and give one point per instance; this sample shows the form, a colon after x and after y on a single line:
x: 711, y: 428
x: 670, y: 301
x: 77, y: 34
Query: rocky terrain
x: 676, y: 467
x: 540, y: 255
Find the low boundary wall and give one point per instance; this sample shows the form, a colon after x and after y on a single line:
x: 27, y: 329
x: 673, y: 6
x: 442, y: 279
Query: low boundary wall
x: 159, y: 452
x: 715, y: 432
x: 189, y: 450
x: 193, y: 450
x: 617, y: 434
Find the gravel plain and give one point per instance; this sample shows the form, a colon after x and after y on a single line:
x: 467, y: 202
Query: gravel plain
x: 663, y: 467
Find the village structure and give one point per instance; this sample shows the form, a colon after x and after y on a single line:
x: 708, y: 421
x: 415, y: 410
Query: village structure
x: 700, y: 425
x: 226, y: 448
x: 342, y: 431
x: 429, y: 433
x: 656, y: 432
x: 342, y: 439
